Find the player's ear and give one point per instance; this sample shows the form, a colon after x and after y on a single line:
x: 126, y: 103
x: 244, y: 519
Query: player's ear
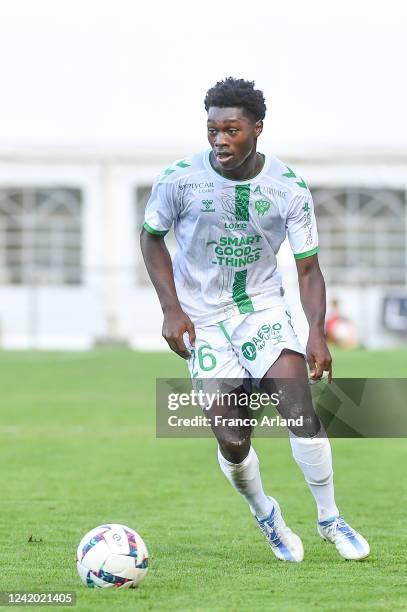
x: 258, y: 128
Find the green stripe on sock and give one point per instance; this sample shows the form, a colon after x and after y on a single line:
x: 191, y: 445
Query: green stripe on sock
x: 242, y: 197
x: 240, y: 297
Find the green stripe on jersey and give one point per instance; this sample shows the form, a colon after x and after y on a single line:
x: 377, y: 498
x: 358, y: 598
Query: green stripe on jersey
x: 151, y: 230
x: 239, y: 295
x: 242, y: 197
x: 307, y: 253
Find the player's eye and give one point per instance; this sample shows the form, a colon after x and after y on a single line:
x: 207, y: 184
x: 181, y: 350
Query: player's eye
x: 211, y: 131
x: 233, y: 132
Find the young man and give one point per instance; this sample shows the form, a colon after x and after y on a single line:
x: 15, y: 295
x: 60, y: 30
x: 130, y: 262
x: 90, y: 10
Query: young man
x: 231, y: 208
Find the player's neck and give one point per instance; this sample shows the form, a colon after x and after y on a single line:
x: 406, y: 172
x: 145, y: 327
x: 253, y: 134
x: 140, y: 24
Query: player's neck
x: 250, y: 168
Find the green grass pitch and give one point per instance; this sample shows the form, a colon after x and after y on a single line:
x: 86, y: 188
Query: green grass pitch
x: 78, y: 448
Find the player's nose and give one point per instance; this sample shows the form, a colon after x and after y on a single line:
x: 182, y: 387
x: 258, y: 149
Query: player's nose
x: 220, y: 140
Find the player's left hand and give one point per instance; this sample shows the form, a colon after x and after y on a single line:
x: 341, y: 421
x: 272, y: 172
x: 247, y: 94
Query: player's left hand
x: 318, y: 357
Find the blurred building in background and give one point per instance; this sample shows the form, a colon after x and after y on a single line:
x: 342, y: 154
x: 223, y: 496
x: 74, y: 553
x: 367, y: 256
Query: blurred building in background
x: 71, y: 272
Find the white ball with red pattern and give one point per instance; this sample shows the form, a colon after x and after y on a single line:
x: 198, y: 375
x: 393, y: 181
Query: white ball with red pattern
x: 112, y: 555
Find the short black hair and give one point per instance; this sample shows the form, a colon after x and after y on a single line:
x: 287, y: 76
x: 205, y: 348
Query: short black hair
x: 233, y: 92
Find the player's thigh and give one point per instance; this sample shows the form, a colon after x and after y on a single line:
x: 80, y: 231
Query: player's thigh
x: 269, y: 349
x: 289, y: 379
x: 262, y: 336
x: 216, y: 371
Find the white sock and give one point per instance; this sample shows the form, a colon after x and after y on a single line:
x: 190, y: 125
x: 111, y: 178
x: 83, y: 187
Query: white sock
x: 313, y: 456
x: 245, y: 477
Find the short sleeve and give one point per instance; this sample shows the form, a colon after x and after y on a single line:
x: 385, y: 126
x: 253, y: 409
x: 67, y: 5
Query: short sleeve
x: 302, y: 227
x: 160, y: 210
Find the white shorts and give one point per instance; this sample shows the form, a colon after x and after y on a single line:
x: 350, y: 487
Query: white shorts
x: 243, y: 346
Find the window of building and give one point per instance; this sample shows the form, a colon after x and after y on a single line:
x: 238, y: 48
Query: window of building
x: 40, y: 236
x: 362, y: 235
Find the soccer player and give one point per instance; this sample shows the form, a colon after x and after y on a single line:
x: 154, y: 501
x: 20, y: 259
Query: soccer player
x: 223, y: 305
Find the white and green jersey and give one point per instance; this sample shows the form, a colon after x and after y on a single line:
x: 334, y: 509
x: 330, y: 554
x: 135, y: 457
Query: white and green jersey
x: 229, y: 232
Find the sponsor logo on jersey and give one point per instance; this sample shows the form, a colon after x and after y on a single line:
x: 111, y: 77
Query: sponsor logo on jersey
x: 202, y: 187
x: 207, y: 206
x: 258, y: 341
x: 267, y: 190
x: 262, y: 207
x: 236, y: 251
x: 236, y: 226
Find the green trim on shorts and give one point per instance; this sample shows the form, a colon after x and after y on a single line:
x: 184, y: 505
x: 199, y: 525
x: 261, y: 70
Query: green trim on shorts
x: 223, y: 328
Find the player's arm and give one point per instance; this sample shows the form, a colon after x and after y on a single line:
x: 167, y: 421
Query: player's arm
x: 303, y: 237
x: 159, y: 266
x: 313, y: 299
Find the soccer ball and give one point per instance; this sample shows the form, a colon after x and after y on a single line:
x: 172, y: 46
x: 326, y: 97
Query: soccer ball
x: 112, y: 555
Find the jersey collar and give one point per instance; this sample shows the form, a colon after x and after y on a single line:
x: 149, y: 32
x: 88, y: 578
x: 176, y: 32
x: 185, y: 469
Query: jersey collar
x: 210, y: 169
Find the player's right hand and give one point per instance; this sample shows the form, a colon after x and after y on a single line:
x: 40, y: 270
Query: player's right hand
x: 175, y: 324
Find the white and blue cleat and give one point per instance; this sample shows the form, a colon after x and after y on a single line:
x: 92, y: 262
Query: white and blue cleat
x: 349, y: 543
x: 284, y: 543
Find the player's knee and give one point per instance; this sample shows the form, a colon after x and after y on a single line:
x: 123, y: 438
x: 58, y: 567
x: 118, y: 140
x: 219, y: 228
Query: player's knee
x: 303, y: 421
x: 309, y: 426
x: 235, y: 448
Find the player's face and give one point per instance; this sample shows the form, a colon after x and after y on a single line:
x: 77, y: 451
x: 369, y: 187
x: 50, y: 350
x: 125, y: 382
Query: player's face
x: 232, y: 136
